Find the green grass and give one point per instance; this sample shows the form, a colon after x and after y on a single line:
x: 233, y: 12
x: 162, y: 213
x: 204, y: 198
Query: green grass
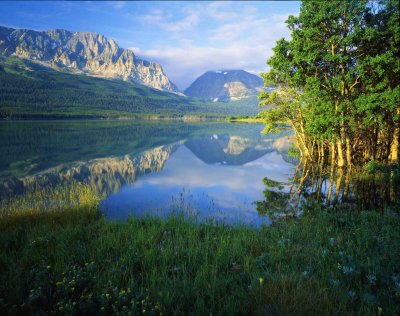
x: 60, y: 259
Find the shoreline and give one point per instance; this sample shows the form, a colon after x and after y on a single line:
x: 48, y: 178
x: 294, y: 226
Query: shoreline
x: 145, y: 117
x: 246, y: 120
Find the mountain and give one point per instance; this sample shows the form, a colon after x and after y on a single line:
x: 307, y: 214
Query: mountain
x: 225, y: 85
x: 31, y: 90
x: 83, y: 52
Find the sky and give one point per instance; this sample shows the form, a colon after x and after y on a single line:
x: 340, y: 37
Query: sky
x: 187, y: 38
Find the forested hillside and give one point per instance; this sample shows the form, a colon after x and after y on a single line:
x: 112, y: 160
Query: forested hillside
x: 28, y: 89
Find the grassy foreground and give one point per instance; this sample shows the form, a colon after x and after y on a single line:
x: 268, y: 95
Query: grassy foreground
x: 69, y: 260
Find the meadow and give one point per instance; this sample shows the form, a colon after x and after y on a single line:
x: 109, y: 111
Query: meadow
x: 60, y: 256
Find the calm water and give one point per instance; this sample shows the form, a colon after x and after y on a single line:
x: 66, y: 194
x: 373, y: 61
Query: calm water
x: 210, y: 170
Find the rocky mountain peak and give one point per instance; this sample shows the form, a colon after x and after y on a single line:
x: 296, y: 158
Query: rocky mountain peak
x: 225, y: 85
x: 86, y: 52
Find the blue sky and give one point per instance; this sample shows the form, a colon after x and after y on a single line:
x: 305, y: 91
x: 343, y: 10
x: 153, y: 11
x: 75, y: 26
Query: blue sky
x: 186, y: 37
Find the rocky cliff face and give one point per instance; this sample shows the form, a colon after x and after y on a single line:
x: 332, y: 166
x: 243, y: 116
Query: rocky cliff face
x: 225, y: 85
x: 89, y: 53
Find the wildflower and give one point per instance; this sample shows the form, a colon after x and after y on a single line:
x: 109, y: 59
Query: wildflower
x: 261, y: 280
x: 347, y: 270
x: 370, y: 298
x: 48, y: 267
x: 334, y: 282
x: 324, y: 252
x: 396, y: 282
x: 352, y: 294
x: 349, y: 258
x: 371, y: 279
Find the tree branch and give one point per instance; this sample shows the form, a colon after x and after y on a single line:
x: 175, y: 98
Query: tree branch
x: 354, y: 84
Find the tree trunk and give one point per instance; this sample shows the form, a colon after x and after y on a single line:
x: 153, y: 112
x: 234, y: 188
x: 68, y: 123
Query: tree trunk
x: 348, y: 151
x: 333, y: 160
x: 340, y: 161
x: 338, y: 185
x: 346, y: 184
x: 394, y: 148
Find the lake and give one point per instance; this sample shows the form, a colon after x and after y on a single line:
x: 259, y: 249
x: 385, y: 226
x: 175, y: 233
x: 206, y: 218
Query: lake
x: 211, y: 170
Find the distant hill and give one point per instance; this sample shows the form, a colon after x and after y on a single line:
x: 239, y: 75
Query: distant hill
x: 225, y: 85
x: 29, y: 90
x: 83, y: 52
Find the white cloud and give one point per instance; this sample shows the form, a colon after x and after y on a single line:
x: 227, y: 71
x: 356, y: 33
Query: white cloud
x: 118, y: 5
x: 184, y: 64
x: 166, y: 22
x: 185, y: 24
x: 220, y: 11
x: 229, y: 39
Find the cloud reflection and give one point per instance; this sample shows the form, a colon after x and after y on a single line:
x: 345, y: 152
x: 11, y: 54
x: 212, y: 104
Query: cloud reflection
x: 224, y: 192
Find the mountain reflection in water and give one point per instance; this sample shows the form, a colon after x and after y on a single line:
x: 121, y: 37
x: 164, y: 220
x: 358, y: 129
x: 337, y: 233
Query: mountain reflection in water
x: 213, y: 171
x: 106, y: 175
x: 187, y: 184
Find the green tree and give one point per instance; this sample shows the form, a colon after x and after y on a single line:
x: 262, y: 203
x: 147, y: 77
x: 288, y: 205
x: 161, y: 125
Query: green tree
x: 337, y: 80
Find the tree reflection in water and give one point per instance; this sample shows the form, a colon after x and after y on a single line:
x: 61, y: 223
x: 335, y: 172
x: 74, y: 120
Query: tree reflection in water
x: 375, y: 186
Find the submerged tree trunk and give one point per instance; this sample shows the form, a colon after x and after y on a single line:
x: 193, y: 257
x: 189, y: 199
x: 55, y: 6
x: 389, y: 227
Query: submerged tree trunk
x: 346, y: 184
x: 333, y: 160
x: 338, y: 185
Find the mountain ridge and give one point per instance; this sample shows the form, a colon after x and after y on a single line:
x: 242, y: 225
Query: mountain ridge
x: 83, y: 52
x: 30, y: 90
x: 225, y: 85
